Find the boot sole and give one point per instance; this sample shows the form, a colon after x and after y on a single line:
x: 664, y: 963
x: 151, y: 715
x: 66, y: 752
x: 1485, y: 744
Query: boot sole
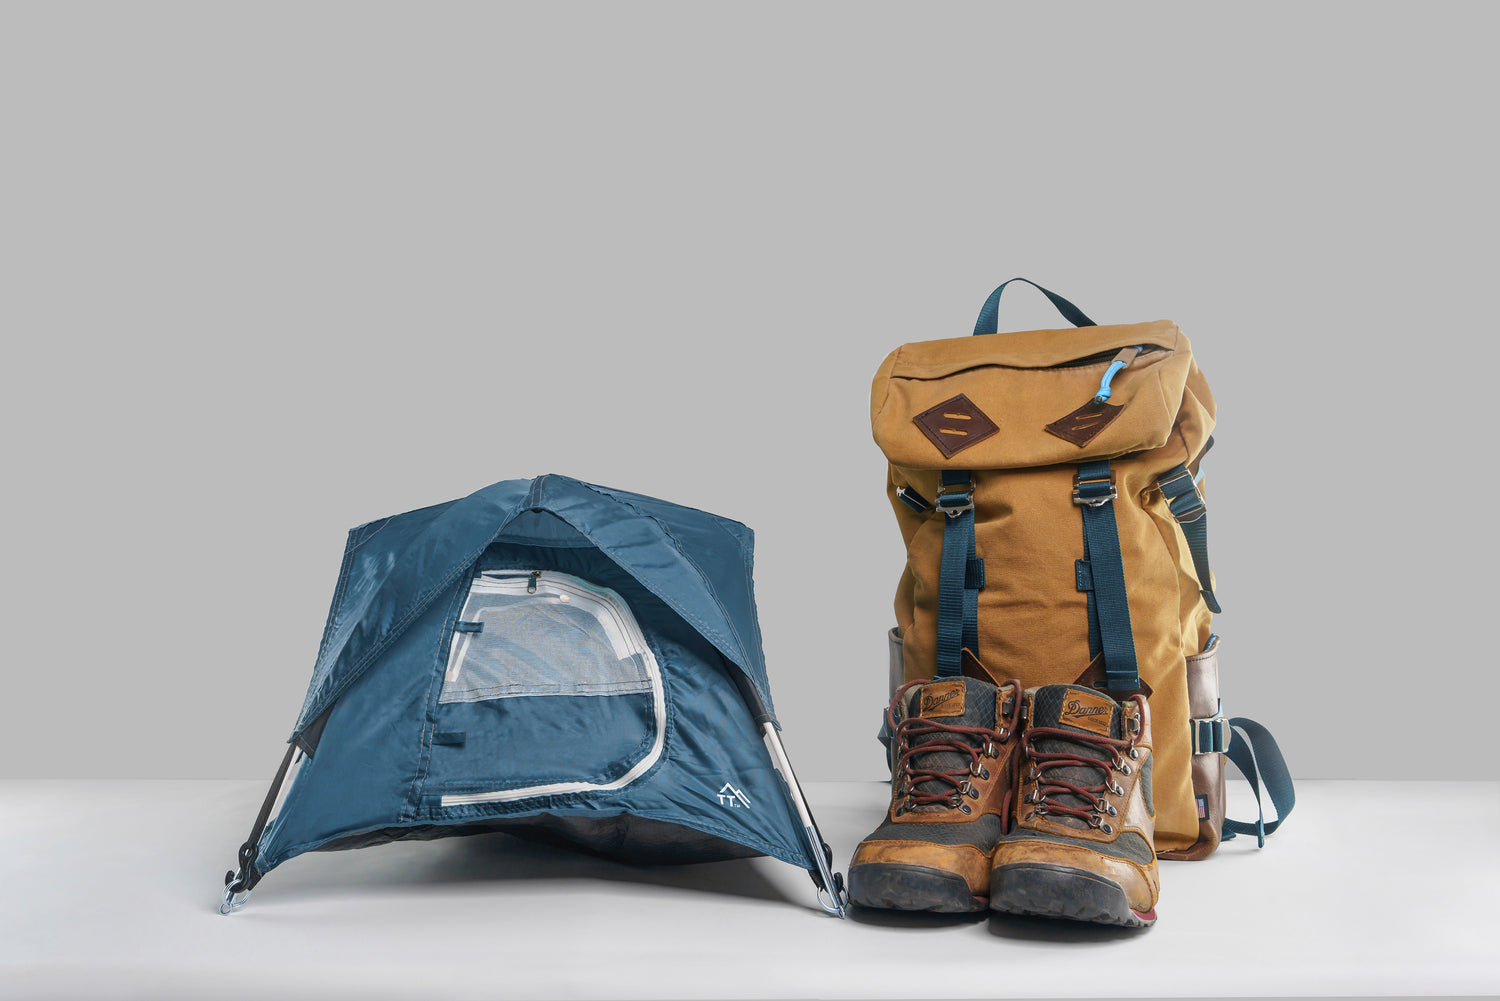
x: 896, y: 887
x: 1055, y: 891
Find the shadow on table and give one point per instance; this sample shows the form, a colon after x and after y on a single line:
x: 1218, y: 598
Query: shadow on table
x: 1026, y: 929
x: 499, y: 858
x: 915, y: 920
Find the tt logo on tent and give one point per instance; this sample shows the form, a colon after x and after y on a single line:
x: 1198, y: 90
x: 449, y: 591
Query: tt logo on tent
x: 730, y: 796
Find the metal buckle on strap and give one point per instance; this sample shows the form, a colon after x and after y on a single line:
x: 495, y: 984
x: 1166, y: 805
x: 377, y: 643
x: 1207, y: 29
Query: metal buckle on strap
x: 1090, y: 492
x: 956, y: 504
x: 1210, y: 735
x: 1187, y: 507
x: 1175, y: 482
x: 1183, y: 498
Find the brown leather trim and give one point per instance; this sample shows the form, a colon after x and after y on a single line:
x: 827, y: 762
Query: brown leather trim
x: 1140, y: 883
x: 1208, y: 782
x: 970, y: 666
x: 1203, y: 683
x: 942, y: 698
x: 965, y: 860
x: 1208, y: 768
x: 1084, y: 424
x: 955, y: 424
x: 1088, y: 710
x: 1093, y: 677
x: 898, y: 662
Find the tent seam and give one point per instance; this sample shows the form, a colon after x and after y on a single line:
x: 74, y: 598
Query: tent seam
x: 399, y: 626
x: 697, y: 568
x: 434, y: 692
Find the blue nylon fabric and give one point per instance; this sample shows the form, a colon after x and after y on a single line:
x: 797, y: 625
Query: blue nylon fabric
x: 958, y: 603
x: 379, y: 762
x: 519, y: 742
x: 1185, y: 503
x: 913, y: 500
x: 395, y: 567
x: 375, y: 768
x: 364, y: 773
x: 1085, y: 578
x: 1258, y: 757
x: 989, y: 314
x: 1109, y: 606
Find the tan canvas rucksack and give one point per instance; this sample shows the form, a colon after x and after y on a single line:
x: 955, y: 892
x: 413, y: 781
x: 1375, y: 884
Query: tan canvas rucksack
x: 1046, y: 483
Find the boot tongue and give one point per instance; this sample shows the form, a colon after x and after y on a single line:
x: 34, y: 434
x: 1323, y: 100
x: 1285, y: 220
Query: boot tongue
x: 1073, y: 707
x: 955, y: 702
x: 1085, y: 712
x: 971, y: 666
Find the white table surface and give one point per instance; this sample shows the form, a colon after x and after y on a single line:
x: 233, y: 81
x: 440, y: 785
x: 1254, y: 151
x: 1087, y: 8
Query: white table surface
x: 111, y: 889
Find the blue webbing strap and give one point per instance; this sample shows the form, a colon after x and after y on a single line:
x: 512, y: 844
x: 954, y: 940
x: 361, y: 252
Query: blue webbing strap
x: 913, y: 500
x: 1086, y: 584
x: 961, y: 576
x: 989, y: 313
x: 1094, y: 492
x: 1191, y: 513
x: 1254, y: 752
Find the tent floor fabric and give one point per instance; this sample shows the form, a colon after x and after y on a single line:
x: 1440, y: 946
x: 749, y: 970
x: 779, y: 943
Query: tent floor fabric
x: 625, y: 839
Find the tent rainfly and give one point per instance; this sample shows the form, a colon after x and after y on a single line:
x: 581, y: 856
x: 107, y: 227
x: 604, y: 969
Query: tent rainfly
x: 548, y: 658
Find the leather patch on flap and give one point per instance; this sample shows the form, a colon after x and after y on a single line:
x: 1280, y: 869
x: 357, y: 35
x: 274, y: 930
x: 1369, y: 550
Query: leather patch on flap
x: 955, y: 424
x: 1084, y: 424
x: 942, y: 698
x: 1088, y: 711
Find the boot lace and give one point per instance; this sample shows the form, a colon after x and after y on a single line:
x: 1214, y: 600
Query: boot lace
x: 1087, y: 801
x: 975, y: 743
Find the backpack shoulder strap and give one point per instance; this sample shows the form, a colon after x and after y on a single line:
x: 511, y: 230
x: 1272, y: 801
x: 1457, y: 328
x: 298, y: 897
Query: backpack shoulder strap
x: 962, y: 575
x: 1186, y: 505
x: 1101, y: 573
x: 1255, y: 753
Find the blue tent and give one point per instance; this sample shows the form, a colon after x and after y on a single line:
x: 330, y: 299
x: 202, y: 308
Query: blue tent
x: 548, y: 658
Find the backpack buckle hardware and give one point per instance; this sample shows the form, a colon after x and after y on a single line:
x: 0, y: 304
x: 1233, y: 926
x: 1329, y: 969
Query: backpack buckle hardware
x: 1094, y: 493
x: 1210, y: 735
x: 955, y: 504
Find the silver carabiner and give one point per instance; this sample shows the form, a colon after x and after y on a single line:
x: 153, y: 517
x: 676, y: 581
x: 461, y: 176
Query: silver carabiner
x: 233, y: 901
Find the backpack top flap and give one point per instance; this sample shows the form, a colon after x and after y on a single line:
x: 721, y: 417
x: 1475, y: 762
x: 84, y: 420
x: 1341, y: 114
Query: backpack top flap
x: 1011, y: 400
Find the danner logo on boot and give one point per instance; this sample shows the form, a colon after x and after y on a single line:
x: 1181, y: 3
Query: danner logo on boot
x: 1087, y: 711
x: 942, y: 698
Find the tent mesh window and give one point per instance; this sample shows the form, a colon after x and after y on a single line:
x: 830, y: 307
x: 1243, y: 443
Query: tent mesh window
x: 544, y: 634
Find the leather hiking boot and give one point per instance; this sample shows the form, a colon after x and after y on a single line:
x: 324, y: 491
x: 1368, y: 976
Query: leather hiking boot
x: 1081, y: 844
x: 952, y: 747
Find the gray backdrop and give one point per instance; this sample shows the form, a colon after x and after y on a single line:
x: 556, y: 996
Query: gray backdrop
x: 270, y: 271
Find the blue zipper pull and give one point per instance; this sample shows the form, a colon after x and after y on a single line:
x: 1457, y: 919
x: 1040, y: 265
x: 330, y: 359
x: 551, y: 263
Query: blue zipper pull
x: 1124, y: 358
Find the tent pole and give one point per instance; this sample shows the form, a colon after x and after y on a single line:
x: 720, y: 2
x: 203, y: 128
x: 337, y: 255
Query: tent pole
x: 238, y: 884
x: 831, y: 893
